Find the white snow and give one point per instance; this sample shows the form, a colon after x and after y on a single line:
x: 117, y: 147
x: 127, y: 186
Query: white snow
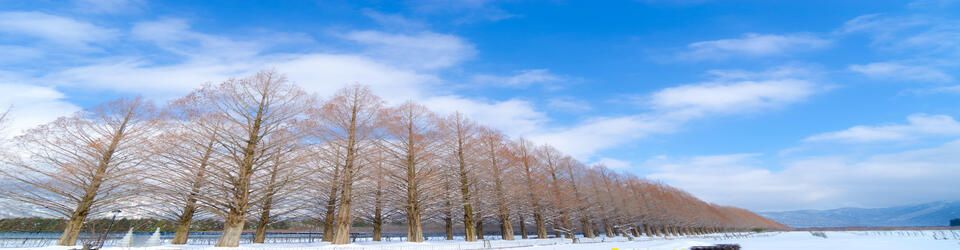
x: 873, y: 240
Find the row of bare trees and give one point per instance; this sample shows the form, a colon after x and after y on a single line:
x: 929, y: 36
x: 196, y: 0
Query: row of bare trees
x: 260, y: 149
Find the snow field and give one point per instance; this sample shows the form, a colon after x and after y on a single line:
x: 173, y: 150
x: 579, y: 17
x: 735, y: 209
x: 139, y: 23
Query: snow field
x: 797, y: 240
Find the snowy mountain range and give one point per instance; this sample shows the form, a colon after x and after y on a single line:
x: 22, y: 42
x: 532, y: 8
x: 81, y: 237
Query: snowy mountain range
x: 928, y: 214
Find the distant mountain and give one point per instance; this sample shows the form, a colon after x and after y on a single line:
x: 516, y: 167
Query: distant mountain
x: 929, y: 214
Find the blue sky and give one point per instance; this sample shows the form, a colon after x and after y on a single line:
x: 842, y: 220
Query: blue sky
x: 768, y: 105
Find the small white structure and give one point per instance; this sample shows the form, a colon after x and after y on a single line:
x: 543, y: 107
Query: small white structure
x: 127, y: 240
x: 154, y: 239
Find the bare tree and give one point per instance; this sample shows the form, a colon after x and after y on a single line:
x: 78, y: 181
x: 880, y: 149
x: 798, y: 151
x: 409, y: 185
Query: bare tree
x: 528, y: 162
x: 551, y: 158
x: 375, y: 209
x: 253, y: 109
x: 348, y: 122
x: 329, y: 168
x: 460, y: 135
x: 412, y: 144
x: 178, y: 174
x: 581, y: 207
x: 279, y: 182
x: 85, y: 164
x: 497, y: 161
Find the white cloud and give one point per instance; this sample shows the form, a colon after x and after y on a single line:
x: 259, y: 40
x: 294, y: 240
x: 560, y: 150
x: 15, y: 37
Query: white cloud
x: 209, y: 58
x: 753, y: 45
x: 206, y: 58
x: 930, y: 4
x: 569, y: 104
x: 393, y: 21
x: 729, y: 92
x: 521, y: 78
x: 54, y: 29
x: 918, y: 34
x: 320, y: 73
x: 31, y: 106
x: 421, y: 50
x: 462, y: 11
x: 176, y: 36
x: 584, y: 140
x: 914, y: 176
x: 731, y: 97
x: 109, y: 6
x: 514, y: 117
x: 918, y: 125
x: 954, y: 89
x: 612, y: 163
x: 12, y: 54
x: 899, y: 71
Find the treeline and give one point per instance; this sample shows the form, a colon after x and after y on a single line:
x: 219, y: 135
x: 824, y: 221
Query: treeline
x: 260, y: 150
x: 39, y: 224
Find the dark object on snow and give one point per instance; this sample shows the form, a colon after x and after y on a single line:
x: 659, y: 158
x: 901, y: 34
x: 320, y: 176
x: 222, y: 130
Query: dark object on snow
x: 717, y: 247
x: 955, y: 222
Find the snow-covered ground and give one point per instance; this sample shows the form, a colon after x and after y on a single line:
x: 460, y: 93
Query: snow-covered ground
x: 897, y: 240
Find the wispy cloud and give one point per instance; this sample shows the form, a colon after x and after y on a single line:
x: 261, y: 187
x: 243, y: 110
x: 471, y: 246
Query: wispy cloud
x: 918, y: 34
x: 515, y: 117
x: 816, y: 182
x: 612, y: 163
x: 422, y: 50
x: 54, y: 29
x: 917, y: 126
x: 753, y: 45
x: 729, y: 92
x: 903, y: 72
x: 522, y: 78
x: 466, y: 11
x: 569, y: 104
x: 401, y: 65
x: 109, y: 6
x: 31, y: 105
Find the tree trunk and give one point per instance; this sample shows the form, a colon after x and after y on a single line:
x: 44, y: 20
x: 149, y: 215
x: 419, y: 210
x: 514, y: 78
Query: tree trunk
x: 447, y: 209
x: 506, y: 229
x: 71, y: 231
x: 344, y: 217
x: 523, y: 227
x: 468, y: 228
x: 181, y: 232
x: 232, y: 228
x: 261, y: 234
x: 607, y: 229
x: 506, y: 226
x: 328, y: 221
x: 479, y: 231
x: 541, y: 227
x: 448, y: 226
x: 378, y: 213
x: 331, y: 206
x: 414, y: 225
x: 587, y: 228
x: 377, y: 228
